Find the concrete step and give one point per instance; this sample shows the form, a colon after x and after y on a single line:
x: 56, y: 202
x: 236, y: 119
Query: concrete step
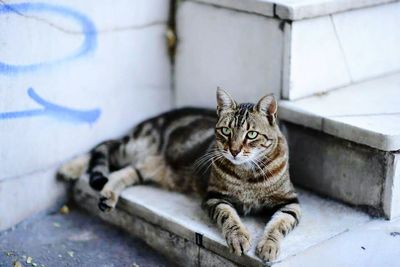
x: 296, y: 10
x: 174, y: 224
x: 256, y: 47
x: 345, y: 143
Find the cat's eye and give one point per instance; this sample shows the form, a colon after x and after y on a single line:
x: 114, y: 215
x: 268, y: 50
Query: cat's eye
x: 251, y: 134
x: 226, y: 131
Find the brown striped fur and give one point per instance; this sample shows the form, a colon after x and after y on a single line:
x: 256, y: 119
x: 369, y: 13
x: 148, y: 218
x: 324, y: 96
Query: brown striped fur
x: 237, y: 160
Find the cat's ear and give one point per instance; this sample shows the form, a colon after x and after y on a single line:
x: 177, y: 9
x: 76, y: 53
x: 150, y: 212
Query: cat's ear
x: 269, y: 107
x: 224, y: 101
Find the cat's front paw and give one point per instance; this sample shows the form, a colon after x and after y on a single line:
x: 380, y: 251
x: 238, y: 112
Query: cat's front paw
x: 238, y: 241
x: 108, y: 200
x: 267, y: 249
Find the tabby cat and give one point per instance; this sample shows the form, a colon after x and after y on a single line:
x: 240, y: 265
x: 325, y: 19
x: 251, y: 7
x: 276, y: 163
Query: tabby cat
x: 236, y: 159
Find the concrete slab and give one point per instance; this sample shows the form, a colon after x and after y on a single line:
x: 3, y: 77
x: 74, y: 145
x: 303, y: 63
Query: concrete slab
x: 391, y: 191
x: 182, y: 216
x: 373, y: 244
x: 295, y: 9
x: 365, y: 113
x: 303, y: 9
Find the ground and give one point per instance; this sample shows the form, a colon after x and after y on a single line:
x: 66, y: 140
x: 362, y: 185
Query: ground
x: 73, y: 239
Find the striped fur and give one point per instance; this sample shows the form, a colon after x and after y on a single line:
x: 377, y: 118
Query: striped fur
x: 237, y: 160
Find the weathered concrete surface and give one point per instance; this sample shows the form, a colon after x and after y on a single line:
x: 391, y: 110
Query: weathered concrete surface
x: 391, y: 197
x: 373, y: 244
x: 173, y: 223
x: 75, y: 239
x: 348, y: 113
x: 353, y: 173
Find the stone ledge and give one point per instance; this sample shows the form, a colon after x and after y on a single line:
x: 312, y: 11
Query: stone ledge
x: 353, y: 173
x: 182, y: 217
x: 366, y: 113
x: 295, y: 10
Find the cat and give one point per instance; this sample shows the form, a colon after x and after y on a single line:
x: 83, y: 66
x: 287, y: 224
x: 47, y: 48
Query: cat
x: 235, y: 158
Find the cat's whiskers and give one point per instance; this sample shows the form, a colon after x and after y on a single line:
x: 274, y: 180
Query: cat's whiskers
x: 204, y: 158
x: 258, y: 166
x: 207, y: 160
x: 264, y: 166
x: 212, y: 160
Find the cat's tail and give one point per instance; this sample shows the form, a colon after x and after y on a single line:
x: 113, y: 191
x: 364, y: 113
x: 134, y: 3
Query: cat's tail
x: 96, y: 163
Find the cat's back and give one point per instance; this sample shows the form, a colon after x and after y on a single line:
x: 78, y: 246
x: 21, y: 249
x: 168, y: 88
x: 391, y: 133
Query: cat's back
x: 183, y: 134
x: 188, y: 133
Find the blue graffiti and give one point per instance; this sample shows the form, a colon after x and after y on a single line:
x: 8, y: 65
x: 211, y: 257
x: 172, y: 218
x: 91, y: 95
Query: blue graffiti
x: 54, y: 111
x: 88, y: 28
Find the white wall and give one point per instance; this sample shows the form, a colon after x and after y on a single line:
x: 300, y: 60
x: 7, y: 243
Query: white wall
x: 238, y: 51
x: 333, y: 51
x: 84, y: 56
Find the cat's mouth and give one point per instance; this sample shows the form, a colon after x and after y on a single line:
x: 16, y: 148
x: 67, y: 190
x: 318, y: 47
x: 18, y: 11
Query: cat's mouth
x: 238, y: 160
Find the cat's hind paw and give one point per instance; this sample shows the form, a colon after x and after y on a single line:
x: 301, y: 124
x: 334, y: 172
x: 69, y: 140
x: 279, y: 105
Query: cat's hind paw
x: 74, y: 168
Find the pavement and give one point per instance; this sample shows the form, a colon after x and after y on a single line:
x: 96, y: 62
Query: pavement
x: 73, y: 239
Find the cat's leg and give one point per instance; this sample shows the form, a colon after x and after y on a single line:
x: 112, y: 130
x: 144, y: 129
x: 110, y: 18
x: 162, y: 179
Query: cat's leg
x: 117, y: 182
x: 226, y: 217
x: 99, y: 164
x: 74, y: 168
x: 282, y: 222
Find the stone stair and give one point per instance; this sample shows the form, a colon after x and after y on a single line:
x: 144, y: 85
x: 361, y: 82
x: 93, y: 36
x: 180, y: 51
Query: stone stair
x: 345, y: 143
x: 334, y: 64
x: 176, y: 225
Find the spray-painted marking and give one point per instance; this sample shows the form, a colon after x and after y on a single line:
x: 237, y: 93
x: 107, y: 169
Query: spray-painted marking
x: 53, y: 110
x: 88, y: 30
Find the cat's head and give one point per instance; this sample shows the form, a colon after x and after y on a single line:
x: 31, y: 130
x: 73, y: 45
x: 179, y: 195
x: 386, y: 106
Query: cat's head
x: 246, y: 132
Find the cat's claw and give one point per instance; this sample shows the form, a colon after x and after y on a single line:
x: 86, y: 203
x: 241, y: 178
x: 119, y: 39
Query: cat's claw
x: 107, y: 201
x: 238, y: 241
x: 267, y: 250
x: 103, y: 206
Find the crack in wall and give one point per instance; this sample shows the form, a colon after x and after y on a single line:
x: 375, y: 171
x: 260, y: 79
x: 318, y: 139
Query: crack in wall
x: 346, y: 63
x: 74, y: 32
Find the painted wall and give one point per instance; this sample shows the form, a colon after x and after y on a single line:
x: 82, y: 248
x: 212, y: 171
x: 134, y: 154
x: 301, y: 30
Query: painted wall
x: 72, y: 73
x: 241, y: 52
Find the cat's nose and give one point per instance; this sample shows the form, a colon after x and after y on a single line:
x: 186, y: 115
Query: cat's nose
x: 235, y: 152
